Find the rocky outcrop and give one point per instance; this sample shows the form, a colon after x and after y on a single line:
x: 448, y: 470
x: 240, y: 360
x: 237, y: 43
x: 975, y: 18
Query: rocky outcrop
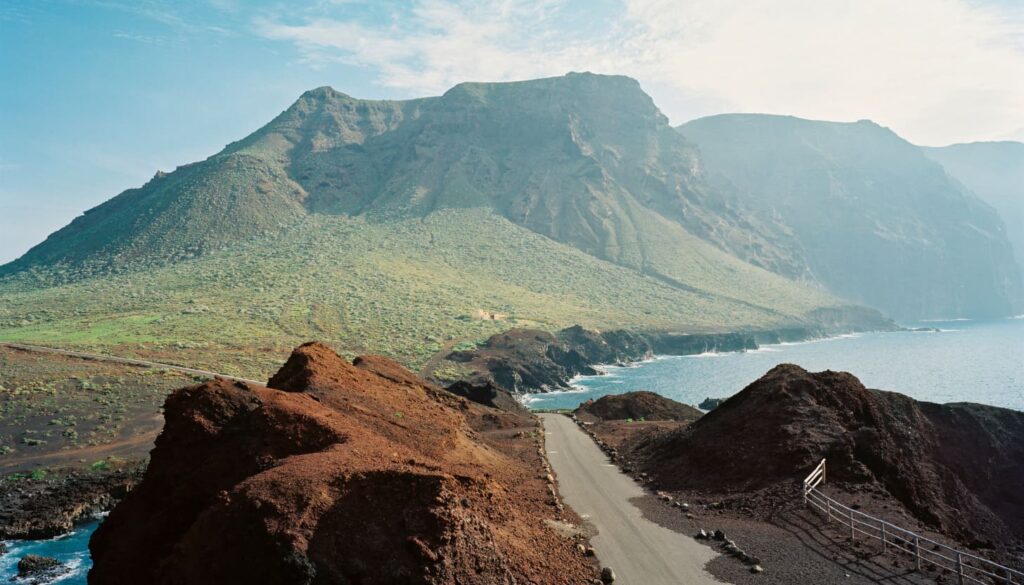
x: 488, y: 394
x: 34, y: 569
x: 527, y: 360
x: 341, y: 473
x: 957, y: 467
x: 639, y: 405
x: 709, y: 403
x: 52, y: 505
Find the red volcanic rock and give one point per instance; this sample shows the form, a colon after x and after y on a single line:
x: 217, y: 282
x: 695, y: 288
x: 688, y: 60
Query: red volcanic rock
x: 339, y: 473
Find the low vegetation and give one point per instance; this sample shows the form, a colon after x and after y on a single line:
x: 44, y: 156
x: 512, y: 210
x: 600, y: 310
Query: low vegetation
x: 60, y: 411
x: 403, y: 289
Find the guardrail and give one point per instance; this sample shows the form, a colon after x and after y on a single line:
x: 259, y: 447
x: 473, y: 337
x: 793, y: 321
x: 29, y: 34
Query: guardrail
x: 967, y: 567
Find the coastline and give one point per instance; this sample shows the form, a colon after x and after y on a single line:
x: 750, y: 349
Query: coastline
x: 941, y: 365
x: 710, y: 345
x: 573, y: 386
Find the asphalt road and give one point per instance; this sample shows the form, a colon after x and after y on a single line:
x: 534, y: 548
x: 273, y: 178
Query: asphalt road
x: 638, y: 550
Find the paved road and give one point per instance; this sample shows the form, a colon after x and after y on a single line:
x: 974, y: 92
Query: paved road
x: 638, y: 550
x: 127, y: 361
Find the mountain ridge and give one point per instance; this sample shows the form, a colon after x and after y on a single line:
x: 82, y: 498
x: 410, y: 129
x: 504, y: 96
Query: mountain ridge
x: 584, y: 159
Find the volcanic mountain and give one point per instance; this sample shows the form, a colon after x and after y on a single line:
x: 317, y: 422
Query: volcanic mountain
x: 584, y: 159
x: 338, y: 473
x: 401, y: 226
x: 865, y: 213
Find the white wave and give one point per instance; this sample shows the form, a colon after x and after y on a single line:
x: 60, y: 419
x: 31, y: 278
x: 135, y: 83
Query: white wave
x: 707, y: 354
x: 534, y: 397
x: 816, y: 340
x: 75, y: 566
x: 526, y: 399
x: 945, y: 320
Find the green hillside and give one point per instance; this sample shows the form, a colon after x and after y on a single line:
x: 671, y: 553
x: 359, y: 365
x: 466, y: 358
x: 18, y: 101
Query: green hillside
x: 403, y: 288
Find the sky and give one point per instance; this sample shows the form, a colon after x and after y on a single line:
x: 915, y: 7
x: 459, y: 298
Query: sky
x: 97, y: 95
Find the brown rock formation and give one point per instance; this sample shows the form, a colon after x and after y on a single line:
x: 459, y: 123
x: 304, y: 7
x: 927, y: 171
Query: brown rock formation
x: 339, y: 474
x: 637, y: 405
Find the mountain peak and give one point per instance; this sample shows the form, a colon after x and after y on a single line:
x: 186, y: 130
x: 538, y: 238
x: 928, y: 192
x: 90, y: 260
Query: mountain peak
x: 324, y: 92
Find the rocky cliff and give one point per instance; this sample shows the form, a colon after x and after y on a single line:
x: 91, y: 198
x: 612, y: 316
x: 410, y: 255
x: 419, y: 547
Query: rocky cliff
x: 994, y: 171
x: 863, y: 212
x: 336, y: 473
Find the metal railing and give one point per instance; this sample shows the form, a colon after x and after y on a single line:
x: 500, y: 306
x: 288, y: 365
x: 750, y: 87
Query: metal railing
x: 924, y: 551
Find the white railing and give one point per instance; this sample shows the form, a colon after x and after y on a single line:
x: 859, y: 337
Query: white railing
x: 924, y: 551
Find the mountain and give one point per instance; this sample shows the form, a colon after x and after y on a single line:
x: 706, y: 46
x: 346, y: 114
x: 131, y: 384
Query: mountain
x: 584, y: 159
x: 866, y: 214
x: 406, y: 226
x: 994, y: 171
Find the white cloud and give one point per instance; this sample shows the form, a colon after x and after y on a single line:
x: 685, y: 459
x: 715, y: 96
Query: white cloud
x: 936, y: 71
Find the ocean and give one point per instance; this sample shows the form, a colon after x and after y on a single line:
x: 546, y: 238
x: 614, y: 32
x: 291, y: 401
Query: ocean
x: 965, y: 361
x: 72, y: 549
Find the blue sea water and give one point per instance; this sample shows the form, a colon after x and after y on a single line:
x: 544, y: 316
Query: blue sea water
x: 71, y: 549
x: 966, y: 361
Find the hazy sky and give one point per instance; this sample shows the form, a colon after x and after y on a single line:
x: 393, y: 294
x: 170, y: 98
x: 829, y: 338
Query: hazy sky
x: 97, y: 95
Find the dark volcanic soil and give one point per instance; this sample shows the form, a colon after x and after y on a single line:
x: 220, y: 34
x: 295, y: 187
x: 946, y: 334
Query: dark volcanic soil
x: 958, y: 468
x: 341, y: 474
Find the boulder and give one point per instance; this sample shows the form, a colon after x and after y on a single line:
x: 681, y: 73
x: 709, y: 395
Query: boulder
x: 35, y: 566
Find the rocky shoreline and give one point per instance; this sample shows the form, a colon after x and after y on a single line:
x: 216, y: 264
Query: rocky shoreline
x: 531, y: 360
x: 45, y: 506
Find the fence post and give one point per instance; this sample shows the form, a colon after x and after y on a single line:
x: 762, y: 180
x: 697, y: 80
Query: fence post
x: 853, y: 534
x: 917, y: 552
x: 885, y: 545
x: 960, y: 568
x: 828, y: 507
x: 1009, y: 576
